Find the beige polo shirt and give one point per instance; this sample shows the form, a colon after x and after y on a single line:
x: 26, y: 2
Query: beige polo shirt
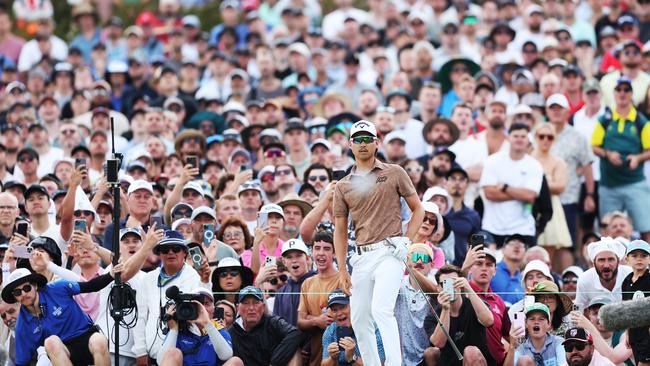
x: 374, y: 201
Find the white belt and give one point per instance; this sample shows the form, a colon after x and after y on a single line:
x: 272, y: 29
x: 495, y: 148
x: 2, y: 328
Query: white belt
x: 370, y: 247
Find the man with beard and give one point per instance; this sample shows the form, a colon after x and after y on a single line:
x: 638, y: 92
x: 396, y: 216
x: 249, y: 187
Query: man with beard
x: 580, y: 350
x: 295, y: 211
x: 438, y: 167
x: 607, y: 275
x: 630, y: 56
x: 368, y: 103
x: 463, y: 220
x: 13, y: 143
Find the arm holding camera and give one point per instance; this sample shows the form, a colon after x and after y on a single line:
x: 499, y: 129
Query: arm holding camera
x: 67, y: 205
x: 187, y: 174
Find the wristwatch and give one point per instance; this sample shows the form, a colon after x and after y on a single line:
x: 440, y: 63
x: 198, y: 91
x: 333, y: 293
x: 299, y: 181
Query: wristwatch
x: 353, y: 359
x: 503, y: 189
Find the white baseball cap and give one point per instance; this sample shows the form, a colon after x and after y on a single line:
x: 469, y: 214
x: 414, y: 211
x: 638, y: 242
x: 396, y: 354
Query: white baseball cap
x: 140, y: 184
x: 395, y: 135
x: 558, y: 99
x: 272, y: 208
x: 203, y: 210
x: 294, y: 244
x: 193, y: 185
x: 363, y: 126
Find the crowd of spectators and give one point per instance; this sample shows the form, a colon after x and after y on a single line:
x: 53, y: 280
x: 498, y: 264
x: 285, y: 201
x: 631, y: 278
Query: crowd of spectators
x: 521, y: 125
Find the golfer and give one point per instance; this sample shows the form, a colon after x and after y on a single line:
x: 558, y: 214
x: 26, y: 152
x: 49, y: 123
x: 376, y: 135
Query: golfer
x: 371, y: 194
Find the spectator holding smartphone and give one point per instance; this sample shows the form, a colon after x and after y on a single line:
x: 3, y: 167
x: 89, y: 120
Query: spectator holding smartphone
x: 339, y: 342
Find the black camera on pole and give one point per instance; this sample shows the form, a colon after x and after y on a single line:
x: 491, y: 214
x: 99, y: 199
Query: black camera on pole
x: 186, y: 309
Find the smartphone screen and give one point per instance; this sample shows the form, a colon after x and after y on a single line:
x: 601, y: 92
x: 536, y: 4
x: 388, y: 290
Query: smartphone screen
x: 80, y: 225
x: 193, y: 161
x: 21, y: 228
x: 156, y: 220
x: 219, y: 313
x: 79, y: 162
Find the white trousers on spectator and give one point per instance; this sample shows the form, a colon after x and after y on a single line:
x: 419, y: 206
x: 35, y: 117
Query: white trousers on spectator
x: 376, y: 280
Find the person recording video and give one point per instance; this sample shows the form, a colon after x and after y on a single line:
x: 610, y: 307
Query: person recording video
x: 194, y: 338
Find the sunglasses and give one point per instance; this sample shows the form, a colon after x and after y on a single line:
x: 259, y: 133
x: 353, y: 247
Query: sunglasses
x: 362, y: 140
x: 570, y: 280
x: 430, y: 220
x: 267, y: 178
x: 231, y: 273
x: 78, y: 213
x: 425, y: 258
x: 280, y: 278
x: 26, y: 158
x: 18, y: 291
x: 283, y: 172
x: 250, y: 186
x: 623, y: 90
x: 176, y: 249
x: 578, y: 346
x: 631, y: 53
x: 274, y: 153
x: 322, y: 178
x: 546, y: 137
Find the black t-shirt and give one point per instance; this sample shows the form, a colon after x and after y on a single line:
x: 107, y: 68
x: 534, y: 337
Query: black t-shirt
x: 465, y: 330
x: 629, y: 289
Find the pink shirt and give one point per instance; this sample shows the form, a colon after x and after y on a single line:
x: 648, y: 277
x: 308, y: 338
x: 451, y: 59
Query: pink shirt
x: 89, y: 302
x: 247, y: 255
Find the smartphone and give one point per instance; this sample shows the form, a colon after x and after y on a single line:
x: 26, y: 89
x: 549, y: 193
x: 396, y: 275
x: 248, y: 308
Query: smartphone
x: 529, y: 300
x: 193, y: 161
x: 79, y: 162
x: 197, y: 257
x: 208, y: 234
x: 342, y: 332
x: 244, y: 167
x: 262, y: 219
x: 21, y: 251
x: 21, y: 228
x: 269, y: 261
x: 338, y: 174
x: 476, y: 240
x: 155, y: 219
x: 448, y: 287
x: 80, y: 225
x: 519, y: 320
x: 219, y: 313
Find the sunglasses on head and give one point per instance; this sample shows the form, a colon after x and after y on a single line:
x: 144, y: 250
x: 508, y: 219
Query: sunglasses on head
x: 362, y: 140
x: 322, y: 178
x: 18, y: 291
x: 280, y: 278
x: 231, y: 273
x: 425, y: 258
x: 176, y: 249
x: 578, y: 346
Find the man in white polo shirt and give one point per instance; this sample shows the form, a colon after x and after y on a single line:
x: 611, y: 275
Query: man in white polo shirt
x: 607, y: 275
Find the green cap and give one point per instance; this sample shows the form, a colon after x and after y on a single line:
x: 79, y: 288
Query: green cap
x: 538, y: 306
x: 470, y: 19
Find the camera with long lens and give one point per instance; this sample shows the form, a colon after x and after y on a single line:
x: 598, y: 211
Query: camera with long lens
x: 185, y: 308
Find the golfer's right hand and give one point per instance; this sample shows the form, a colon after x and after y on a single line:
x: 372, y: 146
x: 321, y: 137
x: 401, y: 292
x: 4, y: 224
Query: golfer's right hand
x: 345, y: 281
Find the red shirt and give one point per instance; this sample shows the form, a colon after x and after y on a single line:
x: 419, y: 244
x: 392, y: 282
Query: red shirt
x: 501, y: 327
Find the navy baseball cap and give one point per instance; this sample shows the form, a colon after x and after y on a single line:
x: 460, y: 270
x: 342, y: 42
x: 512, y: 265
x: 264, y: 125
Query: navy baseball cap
x: 337, y: 297
x: 251, y: 291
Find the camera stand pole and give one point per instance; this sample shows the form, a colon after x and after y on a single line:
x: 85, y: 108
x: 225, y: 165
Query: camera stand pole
x: 112, y: 168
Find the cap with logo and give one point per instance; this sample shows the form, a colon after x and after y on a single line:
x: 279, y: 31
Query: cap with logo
x: 251, y: 185
x: 363, y: 127
x: 577, y: 335
x: 272, y: 208
x: 172, y: 238
x: 130, y: 230
x: 538, y: 306
x: 251, y: 291
x: 294, y: 244
x: 337, y: 297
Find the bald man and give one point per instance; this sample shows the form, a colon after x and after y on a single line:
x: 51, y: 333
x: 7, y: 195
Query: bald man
x: 8, y: 213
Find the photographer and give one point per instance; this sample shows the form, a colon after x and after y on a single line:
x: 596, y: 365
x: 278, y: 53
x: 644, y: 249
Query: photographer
x: 197, y: 341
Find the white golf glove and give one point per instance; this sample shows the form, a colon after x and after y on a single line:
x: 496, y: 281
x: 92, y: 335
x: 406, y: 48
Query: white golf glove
x: 399, y: 247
